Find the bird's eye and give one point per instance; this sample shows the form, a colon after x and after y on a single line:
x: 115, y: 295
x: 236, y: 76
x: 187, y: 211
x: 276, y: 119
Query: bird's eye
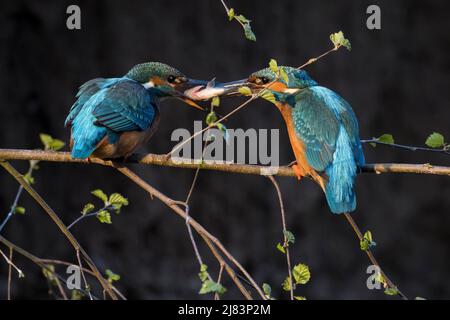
x: 171, y: 79
x: 265, y: 80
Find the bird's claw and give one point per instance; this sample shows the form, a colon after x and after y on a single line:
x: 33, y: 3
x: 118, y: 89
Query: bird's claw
x: 298, y: 172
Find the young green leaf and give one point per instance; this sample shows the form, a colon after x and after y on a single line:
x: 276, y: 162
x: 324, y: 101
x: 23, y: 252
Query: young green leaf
x: 19, y: 210
x: 246, y: 91
x: 299, y: 298
x: 267, y: 95
x: 301, y: 274
x: 284, y: 76
x: 29, y: 178
x: 111, y: 276
x: 386, y: 138
x: 56, y: 145
x: 104, y: 217
x: 210, y: 286
x: 391, y: 291
x: 287, y: 285
x: 76, y: 295
x: 273, y: 65
x: 338, y: 40
x: 249, y: 32
x: 211, y: 118
x: 215, y: 102
x: 267, y: 289
x: 203, y: 274
x: 281, y: 248
x: 100, y: 194
x: 367, y: 241
x: 87, y: 208
x: 242, y: 19
x: 435, y: 140
x: 289, y: 237
x: 230, y: 14
x: 46, y: 140
x: 117, y: 201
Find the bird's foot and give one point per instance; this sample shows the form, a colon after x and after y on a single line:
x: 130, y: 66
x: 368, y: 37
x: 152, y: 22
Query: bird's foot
x: 298, y: 171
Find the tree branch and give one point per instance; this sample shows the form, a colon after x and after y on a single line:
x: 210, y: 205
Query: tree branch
x: 161, y: 160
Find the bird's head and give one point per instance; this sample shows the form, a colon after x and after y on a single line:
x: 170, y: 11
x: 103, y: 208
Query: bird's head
x: 165, y: 81
x: 293, y: 80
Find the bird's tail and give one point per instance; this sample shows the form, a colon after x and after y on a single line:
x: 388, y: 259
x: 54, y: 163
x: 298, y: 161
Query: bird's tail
x: 86, y: 141
x: 339, y: 189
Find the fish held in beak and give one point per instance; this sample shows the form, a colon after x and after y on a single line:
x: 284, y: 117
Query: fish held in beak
x: 213, y: 89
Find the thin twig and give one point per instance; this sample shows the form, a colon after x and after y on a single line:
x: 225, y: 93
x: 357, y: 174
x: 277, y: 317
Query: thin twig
x: 8, y: 261
x: 283, y: 222
x: 10, y: 273
x: 202, y: 231
x: 219, y: 279
x: 19, y: 178
x: 371, y: 256
x: 444, y: 150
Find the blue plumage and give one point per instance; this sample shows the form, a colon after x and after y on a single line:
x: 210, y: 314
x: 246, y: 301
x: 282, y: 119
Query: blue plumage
x: 323, y: 130
x: 104, y: 109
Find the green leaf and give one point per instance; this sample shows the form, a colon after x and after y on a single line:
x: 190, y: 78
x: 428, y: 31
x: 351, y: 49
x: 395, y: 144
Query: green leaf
x: 269, y: 96
x: 242, y: 19
x: 111, y: 276
x: 281, y: 248
x: 391, y: 291
x: 29, y: 178
x: 203, y: 274
x: 211, y: 118
x: 117, y: 201
x: 100, y: 194
x: 76, y: 295
x: 289, y: 237
x: 273, y: 65
x: 267, y: 289
x: 338, y: 40
x: 299, y: 298
x: 230, y: 14
x: 56, y: 145
x: 87, y: 209
x: 284, y: 76
x: 435, y: 140
x: 19, y: 210
x: 46, y: 140
x: 104, y: 217
x: 287, y: 284
x: 249, y: 32
x: 49, y: 273
x: 386, y: 138
x: 301, y: 274
x: 210, y: 286
x: 215, y: 102
x: 367, y: 241
x: 246, y: 91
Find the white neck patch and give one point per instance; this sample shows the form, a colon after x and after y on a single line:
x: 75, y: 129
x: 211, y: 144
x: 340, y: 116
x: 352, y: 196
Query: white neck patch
x: 149, y: 84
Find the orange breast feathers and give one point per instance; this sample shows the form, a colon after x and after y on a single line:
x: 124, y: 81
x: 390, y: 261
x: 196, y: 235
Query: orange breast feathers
x: 298, y: 147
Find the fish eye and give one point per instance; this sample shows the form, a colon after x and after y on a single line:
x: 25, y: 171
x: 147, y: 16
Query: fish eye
x: 171, y: 79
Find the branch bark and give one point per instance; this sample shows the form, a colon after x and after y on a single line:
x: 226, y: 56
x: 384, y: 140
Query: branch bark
x: 162, y: 160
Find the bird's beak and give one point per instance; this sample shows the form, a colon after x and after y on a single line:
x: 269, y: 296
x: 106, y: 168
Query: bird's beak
x: 215, y: 89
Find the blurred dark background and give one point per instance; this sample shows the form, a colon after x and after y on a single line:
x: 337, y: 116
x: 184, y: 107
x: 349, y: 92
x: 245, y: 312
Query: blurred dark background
x: 397, y: 80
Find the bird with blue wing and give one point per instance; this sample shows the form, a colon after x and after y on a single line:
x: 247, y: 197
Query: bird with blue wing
x: 322, y: 127
x: 112, y: 117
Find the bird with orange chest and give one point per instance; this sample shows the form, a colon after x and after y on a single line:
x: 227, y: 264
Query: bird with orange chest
x: 322, y: 127
x: 112, y: 117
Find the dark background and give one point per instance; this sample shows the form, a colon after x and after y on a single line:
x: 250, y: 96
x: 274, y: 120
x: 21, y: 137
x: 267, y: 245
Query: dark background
x: 397, y: 80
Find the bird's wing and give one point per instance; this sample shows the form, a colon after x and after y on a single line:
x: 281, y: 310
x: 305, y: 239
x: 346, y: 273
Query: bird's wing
x: 85, y: 92
x: 125, y: 106
x: 317, y: 127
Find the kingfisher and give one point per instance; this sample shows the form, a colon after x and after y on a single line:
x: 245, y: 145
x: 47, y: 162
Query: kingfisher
x: 112, y: 117
x: 322, y: 127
